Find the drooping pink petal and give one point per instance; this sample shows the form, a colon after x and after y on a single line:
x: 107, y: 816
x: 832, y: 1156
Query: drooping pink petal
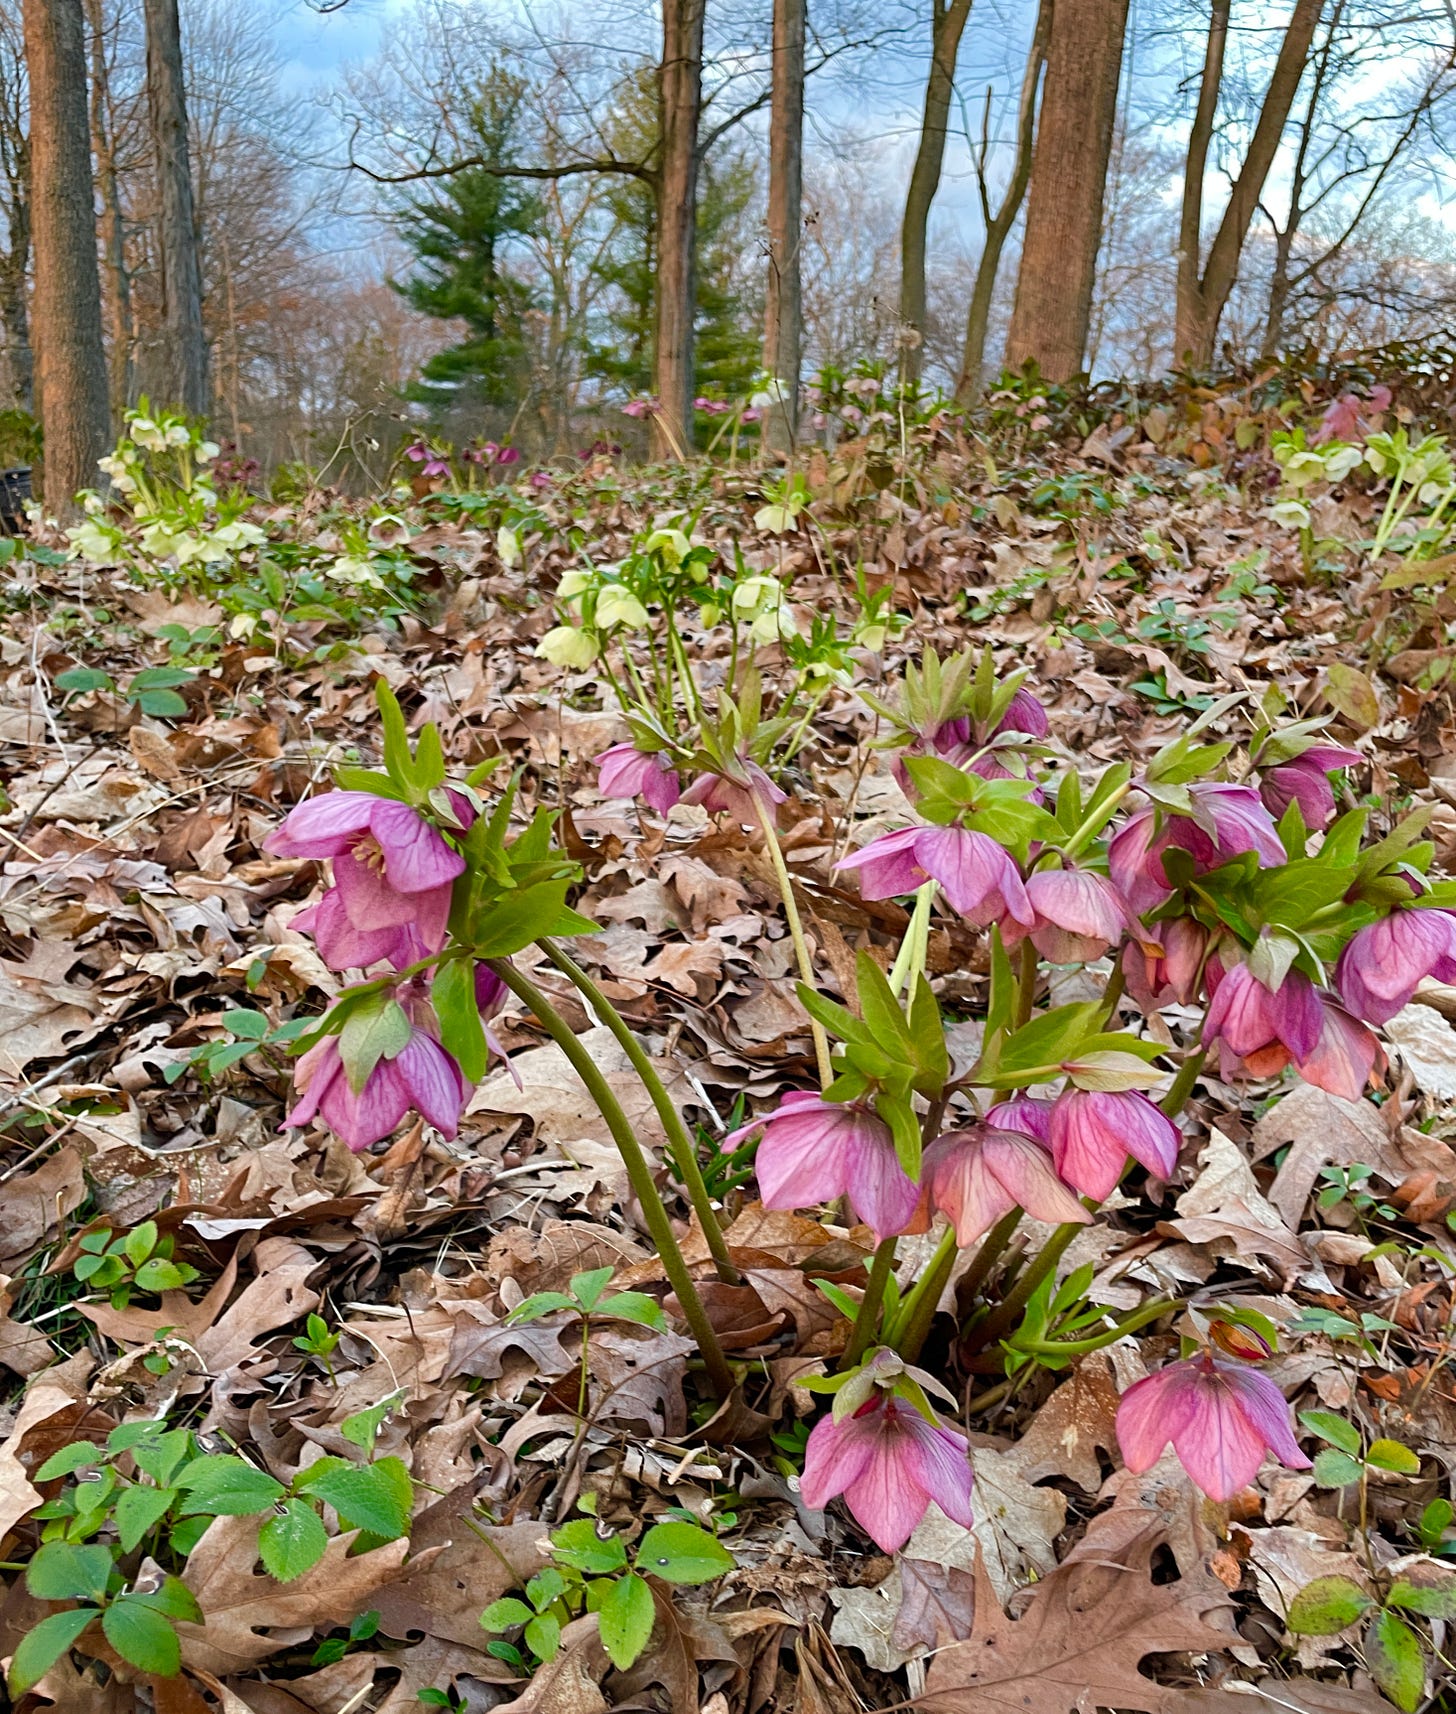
x: 341, y: 945
x: 1078, y: 914
x: 416, y: 856
x: 1344, y: 1056
x: 1151, y: 1412
x: 324, y: 826
x: 1025, y: 714
x: 1024, y: 1169
x: 1267, y: 1410
x: 880, y: 1191
x: 368, y: 898
x: 978, y: 877
x: 962, y: 1186
x: 888, y: 865
x: 433, y: 1081
x: 1217, y: 1444
x: 835, y: 1456
x: 1093, y: 1131
x: 1384, y: 963
x: 314, y: 1073
x: 944, y: 1468
x: 886, y: 1497
x: 1133, y: 859
x: 1026, y: 1113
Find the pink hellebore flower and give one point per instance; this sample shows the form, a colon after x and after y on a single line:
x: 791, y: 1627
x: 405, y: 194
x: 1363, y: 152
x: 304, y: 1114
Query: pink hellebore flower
x: 641, y: 408
x: 815, y: 1150
x: 1026, y: 1113
x: 421, y: 1076
x: 391, y: 867
x: 1079, y: 914
x: 1345, y: 418
x: 733, y: 795
x: 1093, y: 1131
x: 1230, y: 820
x: 978, y: 877
x: 1220, y: 1417
x: 1384, y: 964
x: 344, y: 946
x: 1305, y: 780
x: 431, y: 463
x: 976, y: 1176
x: 1165, y: 963
x: 889, y: 1462
x: 1345, y: 1055
x: 1025, y: 714
x: 627, y: 771
x: 1265, y: 1029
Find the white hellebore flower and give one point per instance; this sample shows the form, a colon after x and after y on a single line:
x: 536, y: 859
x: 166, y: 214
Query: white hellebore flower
x: 568, y: 646
x: 1293, y: 514
x: 1340, y: 462
x: 508, y: 546
x: 618, y: 606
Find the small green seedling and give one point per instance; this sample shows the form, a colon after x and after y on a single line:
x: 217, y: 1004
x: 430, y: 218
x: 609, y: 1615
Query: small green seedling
x: 583, y: 1297
x: 1344, y: 1460
x: 319, y: 1342
x: 139, y: 1260
x: 1396, y: 1649
x: 153, y: 689
x: 592, y: 1572
x: 250, y: 1032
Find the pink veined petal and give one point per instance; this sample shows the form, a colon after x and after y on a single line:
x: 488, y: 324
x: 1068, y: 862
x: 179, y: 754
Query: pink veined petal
x: 1079, y: 902
x: 621, y: 771
x: 1343, y: 1058
x: 313, y: 1074
x: 795, y: 1101
x: 415, y: 855
x: 1151, y: 1412
x: 1152, y: 1139
x: 661, y: 788
x: 1241, y: 1012
x: 1262, y: 1403
x: 978, y: 877
x: 1298, y: 1014
x: 341, y: 945
x: 1218, y: 1445
x: 1136, y: 871
x: 373, y: 1113
x: 1086, y: 1153
x: 879, y: 1189
x: 1024, y: 1170
x: 940, y: 1459
x: 835, y: 1456
x: 885, y: 1497
x: 368, y: 898
x: 1025, y: 1113
x: 962, y: 1186
x: 803, y: 1159
x: 436, y: 1088
x: 432, y: 916
x: 888, y: 865
x: 324, y: 826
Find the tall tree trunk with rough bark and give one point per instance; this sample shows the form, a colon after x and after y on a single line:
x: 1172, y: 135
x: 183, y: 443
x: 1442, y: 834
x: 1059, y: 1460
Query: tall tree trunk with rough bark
x: 999, y: 223
x: 947, y: 25
x: 1053, y: 304
x: 71, y: 368
x: 784, y: 310
x: 186, y: 340
x: 1203, y: 288
x: 116, y: 282
x: 681, y: 99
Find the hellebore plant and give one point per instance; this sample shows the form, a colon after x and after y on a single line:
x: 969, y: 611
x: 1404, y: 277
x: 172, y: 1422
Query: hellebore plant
x: 1243, y: 897
x: 431, y: 896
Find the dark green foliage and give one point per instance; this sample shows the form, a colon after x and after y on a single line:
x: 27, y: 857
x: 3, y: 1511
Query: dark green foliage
x: 463, y: 235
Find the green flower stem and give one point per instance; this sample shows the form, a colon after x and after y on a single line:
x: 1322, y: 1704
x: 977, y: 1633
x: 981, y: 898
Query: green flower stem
x: 684, y: 1154
x: 908, y: 1330
x: 1003, y: 1318
x: 1025, y: 985
x: 910, y: 959
x: 869, y: 1307
x: 720, y: 1376
x: 1140, y: 1317
x: 1182, y: 1085
x: 796, y: 932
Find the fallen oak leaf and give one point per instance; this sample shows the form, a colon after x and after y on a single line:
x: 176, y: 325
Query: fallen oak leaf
x: 247, y: 1616
x: 1079, y: 1639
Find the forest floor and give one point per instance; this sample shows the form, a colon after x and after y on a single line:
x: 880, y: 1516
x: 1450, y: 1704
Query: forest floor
x: 1124, y: 552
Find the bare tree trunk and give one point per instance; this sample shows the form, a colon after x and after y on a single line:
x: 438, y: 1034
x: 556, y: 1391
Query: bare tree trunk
x: 1053, y: 305
x: 681, y: 98
x: 999, y: 224
x: 116, y: 295
x: 783, y: 328
x: 181, y: 264
x: 947, y: 25
x: 15, y: 314
x: 1203, y: 292
x: 67, y: 302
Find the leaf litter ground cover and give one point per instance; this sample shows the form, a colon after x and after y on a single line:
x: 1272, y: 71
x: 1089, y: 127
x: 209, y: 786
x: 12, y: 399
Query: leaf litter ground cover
x: 893, y: 1023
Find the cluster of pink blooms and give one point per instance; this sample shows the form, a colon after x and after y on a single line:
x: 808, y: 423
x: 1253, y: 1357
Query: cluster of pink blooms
x: 887, y: 1458
x: 488, y: 452
x: 626, y: 771
x: 1351, y: 418
x: 431, y: 463
x: 389, y: 905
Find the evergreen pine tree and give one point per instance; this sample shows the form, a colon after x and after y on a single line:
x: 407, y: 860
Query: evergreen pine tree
x: 462, y: 237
